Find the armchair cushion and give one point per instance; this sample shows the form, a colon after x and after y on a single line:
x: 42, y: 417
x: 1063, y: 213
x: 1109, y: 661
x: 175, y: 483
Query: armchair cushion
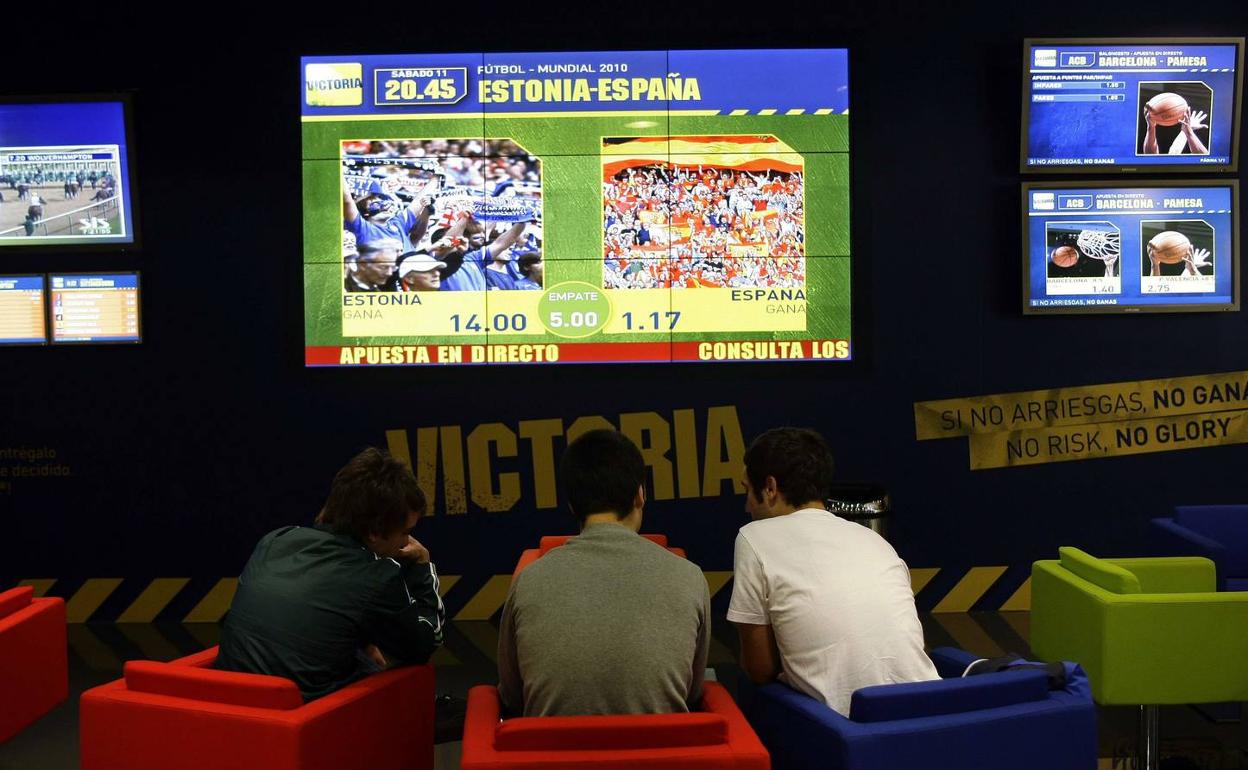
x: 889, y: 702
x: 634, y: 731
x: 15, y: 599
x: 205, y: 684
x: 554, y: 541
x: 1099, y: 572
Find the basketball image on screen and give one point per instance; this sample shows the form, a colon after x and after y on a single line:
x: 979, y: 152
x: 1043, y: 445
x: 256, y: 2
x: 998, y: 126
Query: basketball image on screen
x: 1082, y: 249
x: 59, y: 191
x: 715, y: 212
x: 1174, y: 118
x: 1179, y: 247
x: 440, y: 215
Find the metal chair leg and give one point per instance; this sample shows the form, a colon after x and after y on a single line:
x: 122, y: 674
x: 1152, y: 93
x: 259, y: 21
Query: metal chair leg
x: 1148, y: 755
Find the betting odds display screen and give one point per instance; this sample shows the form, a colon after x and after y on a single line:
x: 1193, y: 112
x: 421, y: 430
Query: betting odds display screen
x: 585, y: 207
x: 95, y: 307
x: 1152, y: 246
x: 22, y: 310
x: 64, y: 174
x: 1160, y: 105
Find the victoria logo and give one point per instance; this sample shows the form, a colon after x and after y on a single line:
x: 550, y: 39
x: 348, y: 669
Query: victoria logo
x: 333, y: 85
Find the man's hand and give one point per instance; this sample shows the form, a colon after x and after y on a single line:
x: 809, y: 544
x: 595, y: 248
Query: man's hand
x: 1148, y: 118
x: 1193, y: 121
x: 372, y: 653
x: 414, y: 551
x: 1196, y: 260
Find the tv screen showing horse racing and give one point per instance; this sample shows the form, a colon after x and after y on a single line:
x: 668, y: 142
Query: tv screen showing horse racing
x: 64, y: 174
x: 591, y: 207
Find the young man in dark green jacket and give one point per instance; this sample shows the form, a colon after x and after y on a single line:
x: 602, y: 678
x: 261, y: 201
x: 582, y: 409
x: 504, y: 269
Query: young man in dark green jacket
x: 328, y: 604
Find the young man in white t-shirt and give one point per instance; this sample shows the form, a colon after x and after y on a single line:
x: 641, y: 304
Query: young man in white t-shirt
x: 821, y: 604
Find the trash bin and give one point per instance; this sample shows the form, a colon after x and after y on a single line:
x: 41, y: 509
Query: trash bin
x: 863, y: 503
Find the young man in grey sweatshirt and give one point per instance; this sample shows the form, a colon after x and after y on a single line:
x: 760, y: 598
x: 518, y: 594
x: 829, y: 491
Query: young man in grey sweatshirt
x: 609, y: 623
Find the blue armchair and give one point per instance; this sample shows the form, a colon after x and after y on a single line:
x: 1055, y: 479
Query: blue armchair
x: 1008, y: 719
x: 1217, y: 532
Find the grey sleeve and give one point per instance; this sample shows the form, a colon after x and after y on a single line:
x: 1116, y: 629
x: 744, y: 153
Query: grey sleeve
x: 702, y: 650
x: 510, y: 685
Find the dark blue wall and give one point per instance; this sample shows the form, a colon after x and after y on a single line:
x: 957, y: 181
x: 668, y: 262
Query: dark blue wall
x: 186, y: 448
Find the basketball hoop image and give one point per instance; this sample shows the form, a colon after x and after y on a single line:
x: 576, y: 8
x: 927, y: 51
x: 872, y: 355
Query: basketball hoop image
x: 1105, y: 245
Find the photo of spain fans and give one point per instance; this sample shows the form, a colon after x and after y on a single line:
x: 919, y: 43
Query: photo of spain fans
x: 440, y: 215
x: 702, y: 212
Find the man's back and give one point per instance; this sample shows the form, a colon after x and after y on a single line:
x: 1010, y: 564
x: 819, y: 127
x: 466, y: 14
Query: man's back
x: 609, y: 623
x: 838, y: 599
x: 309, y: 600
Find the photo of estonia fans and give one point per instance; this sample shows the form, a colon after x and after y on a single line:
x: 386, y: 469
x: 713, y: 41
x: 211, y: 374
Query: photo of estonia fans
x: 702, y: 211
x: 440, y: 215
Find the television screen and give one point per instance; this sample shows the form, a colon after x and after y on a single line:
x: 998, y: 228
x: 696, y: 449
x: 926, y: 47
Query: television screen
x: 21, y: 310
x: 1152, y: 246
x: 65, y: 174
x: 95, y: 307
x: 588, y: 207
x: 1130, y: 105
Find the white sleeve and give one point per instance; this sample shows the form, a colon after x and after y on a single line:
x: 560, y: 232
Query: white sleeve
x: 749, y: 587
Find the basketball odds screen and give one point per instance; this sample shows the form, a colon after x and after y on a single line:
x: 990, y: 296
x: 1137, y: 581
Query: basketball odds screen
x: 1113, y: 248
x: 1122, y: 103
x: 588, y: 207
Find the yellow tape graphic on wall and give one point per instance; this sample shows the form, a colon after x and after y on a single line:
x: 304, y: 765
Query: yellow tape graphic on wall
x: 1081, y: 405
x: 153, y: 599
x: 1107, y: 439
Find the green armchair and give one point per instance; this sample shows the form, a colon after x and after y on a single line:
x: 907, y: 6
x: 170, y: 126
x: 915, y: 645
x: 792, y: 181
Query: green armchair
x: 1147, y: 631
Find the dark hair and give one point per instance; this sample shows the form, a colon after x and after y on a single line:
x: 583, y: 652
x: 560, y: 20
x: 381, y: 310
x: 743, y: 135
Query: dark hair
x: 601, y: 472
x: 798, y: 458
x: 526, y: 262
x: 373, y: 494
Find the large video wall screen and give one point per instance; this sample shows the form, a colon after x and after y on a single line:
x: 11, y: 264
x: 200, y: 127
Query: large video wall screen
x: 588, y: 207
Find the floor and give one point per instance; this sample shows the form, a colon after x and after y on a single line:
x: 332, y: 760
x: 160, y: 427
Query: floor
x: 97, y: 651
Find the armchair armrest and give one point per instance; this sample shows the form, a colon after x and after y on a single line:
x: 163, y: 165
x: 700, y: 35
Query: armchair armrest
x: 1174, y: 648
x: 951, y: 662
x: 1173, y: 575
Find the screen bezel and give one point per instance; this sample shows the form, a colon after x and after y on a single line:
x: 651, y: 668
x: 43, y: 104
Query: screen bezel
x: 47, y: 333
x: 135, y: 244
x: 1159, y: 168
x: 138, y: 287
x: 1125, y: 184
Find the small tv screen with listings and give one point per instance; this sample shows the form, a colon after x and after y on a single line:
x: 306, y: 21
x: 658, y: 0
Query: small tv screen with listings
x: 579, y: 207
x: 94, y: 307
x: 22, y: 312
x: 1132, y: 105
x: 1149, y: 247
x: 65, y: 174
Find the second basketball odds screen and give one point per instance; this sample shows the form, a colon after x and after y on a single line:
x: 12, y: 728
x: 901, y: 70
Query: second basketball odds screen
x: 588, y: 207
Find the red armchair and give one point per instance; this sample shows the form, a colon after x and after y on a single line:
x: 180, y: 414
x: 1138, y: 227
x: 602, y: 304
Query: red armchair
x: 530, y: 555
x: 184, y: 715
x: 716, y: 737
x: 34, y: 670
